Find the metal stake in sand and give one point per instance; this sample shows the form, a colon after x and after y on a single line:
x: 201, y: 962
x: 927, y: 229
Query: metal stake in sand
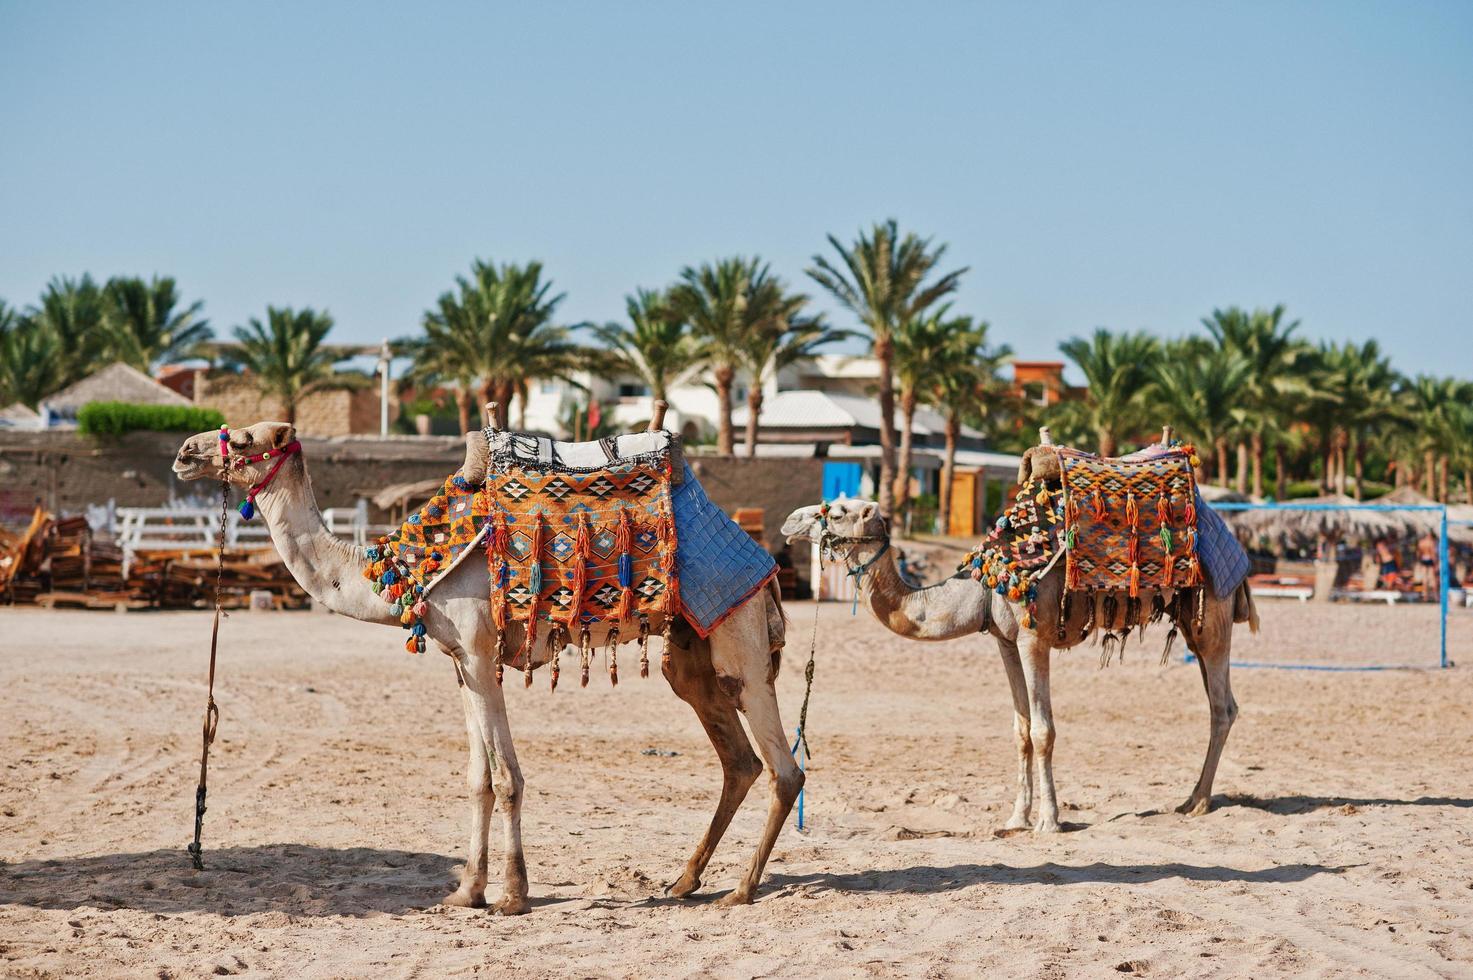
x: 212, y: 713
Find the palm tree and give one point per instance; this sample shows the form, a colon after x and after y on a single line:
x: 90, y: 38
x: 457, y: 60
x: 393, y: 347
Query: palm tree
x: 964, y: 384
x: 1277, y: 360
x: 498, y: 326
x: 434, y: 363
x: 782, y: 337
x: 1437, y: 405
x: 72, y: 311
x: 923, y: 345
x: 144, y: 327
x: 657, y: 345
x: 725, y: 303
x: 881, y: 279
x: 32, y: 358
x: 286, y: 354
x: 1119, y: 368
x: 1365, y: 392
x: 1200, y: 384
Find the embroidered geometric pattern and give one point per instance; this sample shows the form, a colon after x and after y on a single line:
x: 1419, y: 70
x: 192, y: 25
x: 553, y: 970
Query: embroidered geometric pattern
x: 406, y: 563
x: 580, y: 548
x: 1130, y: 524
x: 1021, y: 546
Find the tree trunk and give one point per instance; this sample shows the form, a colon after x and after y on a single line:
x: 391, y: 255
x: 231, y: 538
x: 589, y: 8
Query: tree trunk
x: 1340, y: 440
x: 1442, y: 479
x: 754, y: 412
x: 907, y: 441
x: 948, y: 468
x: 884, y: 353
x: 1429, y: 473
x: 1222, y: 461
x: 1107, y: 441
x: 1360, y: 467
x: 1468, y: 486
x: 1257, y: 447
x: 1241, y: 482
x: 463, y: 408
x: 723, y: 377
x: 524, y: 389
x: 1281, y: 472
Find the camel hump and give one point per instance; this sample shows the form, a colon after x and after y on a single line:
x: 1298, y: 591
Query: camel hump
x: 1041, y: 463
x: 477, y: 458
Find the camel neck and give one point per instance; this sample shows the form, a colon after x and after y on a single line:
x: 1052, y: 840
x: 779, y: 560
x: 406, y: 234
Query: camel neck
x: 329, y: 569
x: 944, y: 611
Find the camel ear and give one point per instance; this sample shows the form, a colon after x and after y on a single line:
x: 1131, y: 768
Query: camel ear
x: 1025, y: 466
x: 800, y: 524
x: 283, y: 436
x: 477, y: 458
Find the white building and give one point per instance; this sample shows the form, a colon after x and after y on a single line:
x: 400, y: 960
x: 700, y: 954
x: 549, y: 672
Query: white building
x: 626, y: 400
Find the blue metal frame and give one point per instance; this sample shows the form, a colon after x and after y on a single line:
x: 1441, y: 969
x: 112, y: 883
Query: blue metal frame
x: 1443, y: 572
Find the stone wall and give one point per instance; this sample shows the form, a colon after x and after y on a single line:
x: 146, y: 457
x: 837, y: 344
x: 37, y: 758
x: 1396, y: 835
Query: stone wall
x: 337, y: 412
x: 778, y: 486
x: 67, y: 472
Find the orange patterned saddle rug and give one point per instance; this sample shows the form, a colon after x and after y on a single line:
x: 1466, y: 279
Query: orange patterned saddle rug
x: 1130, y: 523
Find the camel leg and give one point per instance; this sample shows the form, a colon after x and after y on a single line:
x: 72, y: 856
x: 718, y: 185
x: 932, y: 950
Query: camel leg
x: 1041, y: 729
x: 746, y: 666
x: 1013, y: 664
x: 472, y: 890
x: 694, y: 682
x: 1212, y: 650
x: 489, y: 711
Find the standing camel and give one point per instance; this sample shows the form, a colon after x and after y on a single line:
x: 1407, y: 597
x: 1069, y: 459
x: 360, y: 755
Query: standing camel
x: 731, y: 671
x: 856, y: 535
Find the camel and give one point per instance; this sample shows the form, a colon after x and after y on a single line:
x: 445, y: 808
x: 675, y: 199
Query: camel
x: 855, y: 534
x: 731, y: 671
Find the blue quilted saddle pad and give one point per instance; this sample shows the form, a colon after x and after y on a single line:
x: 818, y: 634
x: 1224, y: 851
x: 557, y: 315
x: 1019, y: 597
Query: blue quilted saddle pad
x: 719, y: 565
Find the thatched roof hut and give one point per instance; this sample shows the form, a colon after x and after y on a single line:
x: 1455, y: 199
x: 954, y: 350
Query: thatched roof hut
x: 1329, y: 518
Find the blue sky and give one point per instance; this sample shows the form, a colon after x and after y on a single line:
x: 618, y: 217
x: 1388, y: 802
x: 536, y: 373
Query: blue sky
x: 1119, y: 164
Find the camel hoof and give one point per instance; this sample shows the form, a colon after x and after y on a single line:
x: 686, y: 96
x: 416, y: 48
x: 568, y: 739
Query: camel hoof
x: 463, y: 898
x: 684, y: 888
x: 1047, y: 827
x: 1195, y: 807
x: 734, y: 898
x: 511, y: 905
x: 1018, y: 821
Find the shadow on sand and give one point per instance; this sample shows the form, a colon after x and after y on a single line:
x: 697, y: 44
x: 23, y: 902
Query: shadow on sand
x: 927, y: 880
x: 289, y: 878
x: 1306, y: 804
x: 297, y: 880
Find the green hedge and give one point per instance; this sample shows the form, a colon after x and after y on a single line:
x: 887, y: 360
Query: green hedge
x: 116, y: 418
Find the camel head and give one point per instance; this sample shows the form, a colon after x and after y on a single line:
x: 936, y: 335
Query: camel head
x: 846, y: 517
x: 200, y: 458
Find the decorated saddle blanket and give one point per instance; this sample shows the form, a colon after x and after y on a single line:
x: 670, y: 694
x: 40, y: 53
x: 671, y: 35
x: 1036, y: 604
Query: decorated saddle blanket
x: 576, y: 534
x: 1022, y: 546
x: 1120, y: 525
x: 1130, y: 523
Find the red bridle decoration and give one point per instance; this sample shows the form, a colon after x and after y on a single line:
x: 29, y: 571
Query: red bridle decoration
x: 248, y: 505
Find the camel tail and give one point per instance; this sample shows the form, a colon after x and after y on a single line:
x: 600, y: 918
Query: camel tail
x: 1244, y: 609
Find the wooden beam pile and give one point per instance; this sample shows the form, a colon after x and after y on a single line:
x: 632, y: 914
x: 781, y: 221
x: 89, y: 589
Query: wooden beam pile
x: 61, y: 562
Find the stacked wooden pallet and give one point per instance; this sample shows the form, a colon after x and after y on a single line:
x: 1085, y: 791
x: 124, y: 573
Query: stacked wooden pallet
x: 61, y: 562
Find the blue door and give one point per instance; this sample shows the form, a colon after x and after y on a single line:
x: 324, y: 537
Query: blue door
x: 841, y: 480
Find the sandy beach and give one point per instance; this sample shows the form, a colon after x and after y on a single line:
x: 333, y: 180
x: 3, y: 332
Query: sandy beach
x: 1339, y: 844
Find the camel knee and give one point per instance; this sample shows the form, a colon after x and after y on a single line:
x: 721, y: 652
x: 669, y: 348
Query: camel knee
x: 744, y: 772
x: 509, y: 791
x: 1041, y: 737
x: 479, y: 782
x: 788, y: 783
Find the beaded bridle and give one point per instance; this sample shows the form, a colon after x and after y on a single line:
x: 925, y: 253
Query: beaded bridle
x: 248, y: 505
x: 827, y: 541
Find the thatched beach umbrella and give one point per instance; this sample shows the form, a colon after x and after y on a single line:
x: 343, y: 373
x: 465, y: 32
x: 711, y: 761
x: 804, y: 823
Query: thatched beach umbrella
x: 1328, y: 519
